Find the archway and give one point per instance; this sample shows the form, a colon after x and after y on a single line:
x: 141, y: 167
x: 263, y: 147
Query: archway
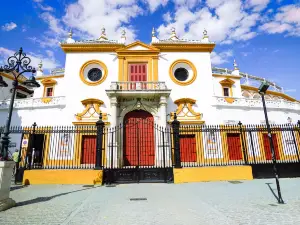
x: 139, y: 139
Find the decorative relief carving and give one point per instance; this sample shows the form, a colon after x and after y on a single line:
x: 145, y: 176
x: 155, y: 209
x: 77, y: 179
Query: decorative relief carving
x: 92, y: 110
x: 185, y: 112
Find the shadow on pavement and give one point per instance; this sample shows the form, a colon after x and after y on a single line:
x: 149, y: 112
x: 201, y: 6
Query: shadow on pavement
x: 18, y: 187
x: 44, y: 199
x: 272, y: 190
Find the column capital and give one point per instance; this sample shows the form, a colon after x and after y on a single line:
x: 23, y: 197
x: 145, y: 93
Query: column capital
x: 113, y: 100
x: 163, y: 100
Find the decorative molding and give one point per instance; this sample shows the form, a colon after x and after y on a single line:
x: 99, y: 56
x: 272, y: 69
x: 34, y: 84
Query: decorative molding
x: 91, y: 47
x: 92, y: 110
x: 227, y: 82
x: 184, y: 47
x: 34, y: 103
x: 246, y: 87
x: 185, y: 113
x: 46, y: 100
x: 227, y: 76
x: 104, y: 71
x: 44, y: 77
x: 256, y: 103
x: 229, y: 100
x: 182, y: 83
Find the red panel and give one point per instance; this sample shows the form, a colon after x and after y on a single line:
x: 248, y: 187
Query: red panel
x: 234, y: 147
x: 267, y: 147
x: 139, y: 139
x: 89, y: 149
x: 188, y: 148
x: 138, y: 72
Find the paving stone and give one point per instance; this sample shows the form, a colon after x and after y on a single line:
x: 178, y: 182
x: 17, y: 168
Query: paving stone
x: 245, y: 203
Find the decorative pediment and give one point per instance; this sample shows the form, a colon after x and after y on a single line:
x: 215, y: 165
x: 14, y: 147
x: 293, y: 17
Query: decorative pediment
x: 227, y: 82
x: 92, y: 110
x: 48, y: 82
x: 137, y: 46
x: 185, y: 113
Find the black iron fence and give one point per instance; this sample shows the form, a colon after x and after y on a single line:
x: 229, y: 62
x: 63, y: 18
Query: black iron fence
x: 146, y: 145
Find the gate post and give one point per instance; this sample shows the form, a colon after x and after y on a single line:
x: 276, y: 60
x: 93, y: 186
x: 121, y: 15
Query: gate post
x: 30, y: 147
x: 243, y: 143
x: 176, y: 141
x: 99, y: 143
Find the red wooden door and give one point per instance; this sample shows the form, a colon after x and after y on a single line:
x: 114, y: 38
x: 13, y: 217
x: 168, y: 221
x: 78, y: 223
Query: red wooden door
x: 139, y: 139
x: 137, y: 72
x: 88, y: 149
x: 188, y: 148
x: 267, y: 147
x: 234, y: 146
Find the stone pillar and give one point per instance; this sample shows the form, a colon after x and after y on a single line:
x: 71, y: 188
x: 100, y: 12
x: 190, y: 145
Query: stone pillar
x: 6, y: 169
x: 112, y: 145
x: 113, y: 112
x: 163, y: 110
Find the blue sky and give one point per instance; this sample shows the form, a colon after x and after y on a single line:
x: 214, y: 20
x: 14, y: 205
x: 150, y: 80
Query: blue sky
x: 262, y: 35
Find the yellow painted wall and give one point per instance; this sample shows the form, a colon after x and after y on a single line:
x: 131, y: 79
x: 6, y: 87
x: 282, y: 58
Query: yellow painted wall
x: 220, y: 173
x: 63, y: 177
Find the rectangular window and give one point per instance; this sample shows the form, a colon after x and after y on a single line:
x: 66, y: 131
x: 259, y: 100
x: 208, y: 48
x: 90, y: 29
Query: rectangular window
x: 49, y: 92
x: 226, y: 92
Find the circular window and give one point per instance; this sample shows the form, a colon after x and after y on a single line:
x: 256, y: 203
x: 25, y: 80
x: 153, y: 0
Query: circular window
x: 183, y: 72
x: 93, y: 72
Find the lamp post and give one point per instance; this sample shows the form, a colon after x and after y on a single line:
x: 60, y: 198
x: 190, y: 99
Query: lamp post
x: 262, y: 91
x: 18, y: 64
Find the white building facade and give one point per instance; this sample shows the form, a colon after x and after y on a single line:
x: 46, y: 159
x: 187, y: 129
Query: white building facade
x: 163, y: 77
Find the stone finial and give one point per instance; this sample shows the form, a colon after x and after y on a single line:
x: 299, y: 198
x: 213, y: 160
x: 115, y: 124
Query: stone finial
x: 153, y: 32
x: 40, y: 66
x: 205, y: 38
x: 236, y: 70
x: 70, y: 37
x: 154, y: 38
x: 103, y: 31
x: 70, y: 33
x: 103, y: 34
x: 235, y: 65
x: 39, y: 71
x: 123, y: 37
x: 173, y: 34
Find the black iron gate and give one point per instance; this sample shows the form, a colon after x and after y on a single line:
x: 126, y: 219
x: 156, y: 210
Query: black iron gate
x: 137, y: 151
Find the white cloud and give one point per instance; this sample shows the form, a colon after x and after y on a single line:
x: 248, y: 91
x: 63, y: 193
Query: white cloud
x: 220, y: 58
x: 9, y: 26
x: 167, y: 17
x: 257, y: 5
x: 46, y: 8
x: 286, y: 20
x: 89, y: 16
x: 275, y: 27
x: 225, y: 20
x: 48, y: 62
x: 154, y: 4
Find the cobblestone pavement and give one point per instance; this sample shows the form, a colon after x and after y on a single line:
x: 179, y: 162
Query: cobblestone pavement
x: 248, y: 202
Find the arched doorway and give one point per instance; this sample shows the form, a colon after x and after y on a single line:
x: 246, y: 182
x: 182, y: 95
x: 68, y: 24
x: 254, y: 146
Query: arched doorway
x: 139, y: 139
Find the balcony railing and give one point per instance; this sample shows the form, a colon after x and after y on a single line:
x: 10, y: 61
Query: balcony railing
x: 35, y: 102
x: 246, y: 102
x: 137, y: 86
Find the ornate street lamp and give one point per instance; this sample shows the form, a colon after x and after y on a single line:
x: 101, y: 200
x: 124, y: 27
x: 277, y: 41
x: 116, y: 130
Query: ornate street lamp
x: 18, y: 64
x: 262, y: 91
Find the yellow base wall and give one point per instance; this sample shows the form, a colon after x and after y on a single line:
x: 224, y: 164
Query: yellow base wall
x: 63, y: 177
x: 220, y: 173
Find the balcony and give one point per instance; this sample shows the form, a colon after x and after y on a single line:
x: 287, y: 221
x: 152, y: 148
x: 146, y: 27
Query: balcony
x: 254, y: 103
x: 35, y: 103
x: 137, y: 88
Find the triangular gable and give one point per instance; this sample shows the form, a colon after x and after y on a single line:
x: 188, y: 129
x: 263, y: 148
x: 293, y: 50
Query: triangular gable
x: 137, y: 46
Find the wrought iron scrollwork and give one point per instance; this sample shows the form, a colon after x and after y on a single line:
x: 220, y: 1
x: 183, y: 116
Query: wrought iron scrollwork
x: 19, y: 63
